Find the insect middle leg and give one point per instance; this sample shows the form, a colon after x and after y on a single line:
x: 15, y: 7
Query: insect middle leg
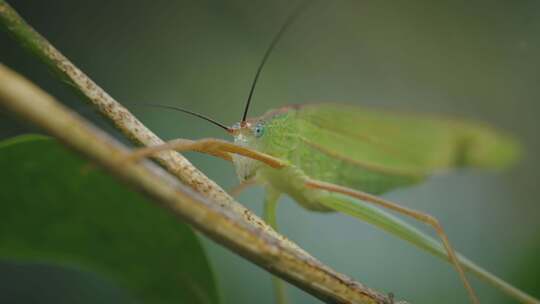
x: 422, y: 217
x: 270, y: 205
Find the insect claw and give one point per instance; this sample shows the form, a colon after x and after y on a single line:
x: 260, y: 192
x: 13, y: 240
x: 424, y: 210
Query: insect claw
x: 136, y: 156
x: 390, y: 298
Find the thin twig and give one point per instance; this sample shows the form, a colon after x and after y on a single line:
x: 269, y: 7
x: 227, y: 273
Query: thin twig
x: 126, y: 122
x: 218, y: 223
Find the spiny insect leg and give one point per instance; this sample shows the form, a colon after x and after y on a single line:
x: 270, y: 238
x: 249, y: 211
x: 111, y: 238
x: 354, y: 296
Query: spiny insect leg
x: 215, y: 147
x: 422, y: 217
x: 177, y: 145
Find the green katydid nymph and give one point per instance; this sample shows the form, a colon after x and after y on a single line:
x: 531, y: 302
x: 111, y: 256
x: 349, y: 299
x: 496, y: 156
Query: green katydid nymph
x: 334, y: 157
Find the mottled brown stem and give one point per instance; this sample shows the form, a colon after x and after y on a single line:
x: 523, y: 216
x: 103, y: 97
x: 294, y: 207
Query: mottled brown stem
x: 128, y: 124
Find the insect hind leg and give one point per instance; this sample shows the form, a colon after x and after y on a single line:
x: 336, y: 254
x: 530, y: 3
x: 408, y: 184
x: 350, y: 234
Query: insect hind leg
x: 422, y: 217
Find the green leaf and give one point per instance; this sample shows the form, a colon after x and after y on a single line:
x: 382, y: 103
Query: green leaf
x: 55, y: 208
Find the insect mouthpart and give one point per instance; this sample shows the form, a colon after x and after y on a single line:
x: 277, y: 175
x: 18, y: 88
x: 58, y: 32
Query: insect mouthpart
x: 239, y: 127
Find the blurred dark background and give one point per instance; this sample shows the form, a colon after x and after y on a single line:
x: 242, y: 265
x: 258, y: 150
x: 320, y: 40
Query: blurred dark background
x: 471, y: 59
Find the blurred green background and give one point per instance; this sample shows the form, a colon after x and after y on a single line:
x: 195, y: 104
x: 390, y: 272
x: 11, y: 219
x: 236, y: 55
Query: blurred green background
x: 471, y: 59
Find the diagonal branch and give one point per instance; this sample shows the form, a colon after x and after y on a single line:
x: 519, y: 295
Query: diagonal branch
x: 126, y: 122
x: 214, y: 220
x: 211, y: 210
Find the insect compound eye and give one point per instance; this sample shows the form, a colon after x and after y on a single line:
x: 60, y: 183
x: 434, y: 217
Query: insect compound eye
x: 258, y: 130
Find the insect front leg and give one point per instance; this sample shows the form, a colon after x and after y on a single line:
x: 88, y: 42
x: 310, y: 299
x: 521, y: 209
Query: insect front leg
x: 238, y: 189
x: 422, y: 217
x: 215, y: 147
x: 179, y: 145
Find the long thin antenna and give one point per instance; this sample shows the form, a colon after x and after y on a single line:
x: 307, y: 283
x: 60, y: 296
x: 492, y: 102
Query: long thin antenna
x: 228, y: 129
x: 292, y: 17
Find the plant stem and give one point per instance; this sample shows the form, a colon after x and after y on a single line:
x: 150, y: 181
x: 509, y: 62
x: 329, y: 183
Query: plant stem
x: 126, y: 122
x: 211, y: 218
